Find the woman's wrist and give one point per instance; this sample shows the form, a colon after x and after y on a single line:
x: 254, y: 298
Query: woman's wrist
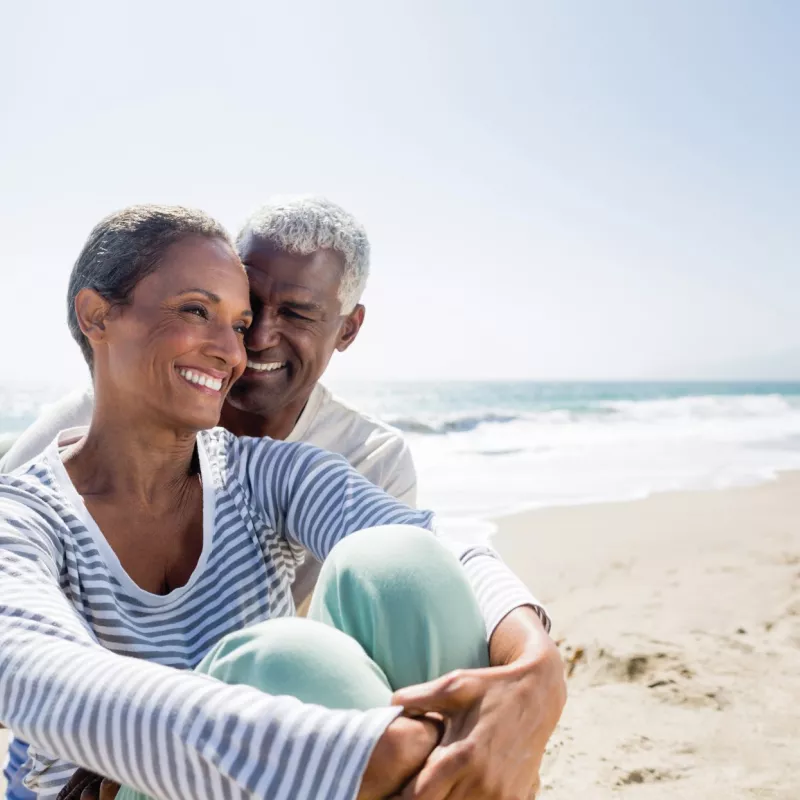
x: 398, y: 756
x: 520, y: 639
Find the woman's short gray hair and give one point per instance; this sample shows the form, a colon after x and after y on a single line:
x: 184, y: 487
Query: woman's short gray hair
x: 126, y: 247
x: 304, y: 224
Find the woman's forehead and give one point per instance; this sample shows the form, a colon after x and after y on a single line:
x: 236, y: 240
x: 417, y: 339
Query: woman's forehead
x: 208, y: 264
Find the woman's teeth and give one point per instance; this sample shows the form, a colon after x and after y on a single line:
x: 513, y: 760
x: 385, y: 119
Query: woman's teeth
x: 201, y: 379
x: 269, y: 366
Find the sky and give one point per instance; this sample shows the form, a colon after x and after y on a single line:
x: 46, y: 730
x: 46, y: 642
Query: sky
x: 552, y: 189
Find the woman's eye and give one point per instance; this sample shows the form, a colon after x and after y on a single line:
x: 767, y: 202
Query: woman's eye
x: 198, y: 311
x: 241, y: 328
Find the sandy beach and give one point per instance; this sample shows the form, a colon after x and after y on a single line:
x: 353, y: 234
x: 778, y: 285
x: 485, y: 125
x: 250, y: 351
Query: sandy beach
x: 680, y: 618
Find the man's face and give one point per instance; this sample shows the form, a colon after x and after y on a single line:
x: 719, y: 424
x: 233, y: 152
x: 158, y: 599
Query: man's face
x: 297, y: 325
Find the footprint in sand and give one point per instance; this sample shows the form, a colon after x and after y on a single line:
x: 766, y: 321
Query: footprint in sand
x: 647, y: 775
x: 670, y: 679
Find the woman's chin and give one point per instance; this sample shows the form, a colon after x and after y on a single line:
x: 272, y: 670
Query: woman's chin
x: 197, y: 419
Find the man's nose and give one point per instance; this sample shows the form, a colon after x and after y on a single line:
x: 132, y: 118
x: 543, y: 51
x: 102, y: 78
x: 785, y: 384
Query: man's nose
x: 263, y: 333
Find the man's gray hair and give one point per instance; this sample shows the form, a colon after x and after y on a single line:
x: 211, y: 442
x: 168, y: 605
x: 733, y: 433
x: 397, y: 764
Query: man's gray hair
x: 304, y: 224
x: 126, y: 247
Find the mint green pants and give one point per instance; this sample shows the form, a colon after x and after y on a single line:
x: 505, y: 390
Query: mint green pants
x: 392, y: 608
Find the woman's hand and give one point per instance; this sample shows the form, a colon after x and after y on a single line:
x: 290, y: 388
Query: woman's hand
x: 399, y: 755
x: 498, y: 720
x: 86, y: 785
x: 108, y: 791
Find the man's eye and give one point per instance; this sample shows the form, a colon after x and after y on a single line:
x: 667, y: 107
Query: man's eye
x: 288, y: 312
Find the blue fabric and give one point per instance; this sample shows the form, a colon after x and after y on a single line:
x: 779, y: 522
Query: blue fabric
x: 13, y: 773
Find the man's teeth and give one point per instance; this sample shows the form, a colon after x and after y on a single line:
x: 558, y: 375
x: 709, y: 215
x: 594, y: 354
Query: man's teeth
x: 269, y: 366
x: 201, y: 379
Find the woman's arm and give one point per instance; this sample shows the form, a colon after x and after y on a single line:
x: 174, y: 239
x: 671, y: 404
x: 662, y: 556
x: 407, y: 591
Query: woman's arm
x: 317, y: 499
x: 162, y: 731
x: 499, y: 719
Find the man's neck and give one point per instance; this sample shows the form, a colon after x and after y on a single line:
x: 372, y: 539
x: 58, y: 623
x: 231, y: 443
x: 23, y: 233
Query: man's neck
x: 277, y: 424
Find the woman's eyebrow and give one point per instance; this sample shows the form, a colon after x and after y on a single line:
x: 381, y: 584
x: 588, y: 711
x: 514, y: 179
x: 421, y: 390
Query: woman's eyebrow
x: 214, y: 298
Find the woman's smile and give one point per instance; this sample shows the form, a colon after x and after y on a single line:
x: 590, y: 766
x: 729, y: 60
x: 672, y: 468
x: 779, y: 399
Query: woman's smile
x: 208, y: 381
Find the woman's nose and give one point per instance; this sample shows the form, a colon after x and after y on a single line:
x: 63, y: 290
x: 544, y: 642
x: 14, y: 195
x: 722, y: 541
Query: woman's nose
x: 227, y: 345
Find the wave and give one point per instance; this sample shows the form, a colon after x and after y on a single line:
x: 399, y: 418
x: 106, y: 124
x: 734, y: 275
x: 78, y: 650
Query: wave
x: 697, y: 409
x: 610, y: 449
x: 452, y: 424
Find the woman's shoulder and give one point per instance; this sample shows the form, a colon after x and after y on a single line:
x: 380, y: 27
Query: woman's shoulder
x: 222, y: 445
x: 31, y: 506
x: 255, y: 459
x: 34, y: 477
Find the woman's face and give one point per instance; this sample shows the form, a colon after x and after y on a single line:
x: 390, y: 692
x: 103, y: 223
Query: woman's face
x: 175, y: 349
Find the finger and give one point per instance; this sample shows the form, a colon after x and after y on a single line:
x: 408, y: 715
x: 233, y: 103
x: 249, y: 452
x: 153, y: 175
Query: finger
x: 440, y: 777
x: 108, y: 789
x: 449, y: 693
x: 90, y: 793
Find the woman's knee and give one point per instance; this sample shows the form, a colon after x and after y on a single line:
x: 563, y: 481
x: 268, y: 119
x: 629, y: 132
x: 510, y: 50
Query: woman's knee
x: 406, y: 599
x: 395, y: 564
x: 399, y: 555
x: 301, y: 658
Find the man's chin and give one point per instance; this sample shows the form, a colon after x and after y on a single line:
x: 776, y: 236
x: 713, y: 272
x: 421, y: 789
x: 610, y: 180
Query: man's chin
x: 254, y: 397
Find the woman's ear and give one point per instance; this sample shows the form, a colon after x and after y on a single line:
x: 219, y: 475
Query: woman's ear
x: 92, y: 310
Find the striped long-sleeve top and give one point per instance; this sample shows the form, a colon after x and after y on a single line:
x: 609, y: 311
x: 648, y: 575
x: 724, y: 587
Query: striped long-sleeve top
x: 96, y: 671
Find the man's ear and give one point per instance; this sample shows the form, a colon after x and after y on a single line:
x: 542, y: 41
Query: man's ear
x: 92, y: 311
x: 350, y: 328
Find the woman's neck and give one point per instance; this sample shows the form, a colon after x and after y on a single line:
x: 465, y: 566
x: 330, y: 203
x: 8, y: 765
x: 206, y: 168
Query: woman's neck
x: 132, y: 458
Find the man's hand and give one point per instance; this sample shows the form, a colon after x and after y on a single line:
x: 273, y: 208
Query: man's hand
x: 498, y: 720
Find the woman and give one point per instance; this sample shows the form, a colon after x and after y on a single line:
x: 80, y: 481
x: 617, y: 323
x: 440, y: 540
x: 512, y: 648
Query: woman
x: 155, y: 542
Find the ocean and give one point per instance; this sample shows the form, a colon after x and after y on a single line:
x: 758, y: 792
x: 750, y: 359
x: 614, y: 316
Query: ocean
x: 485, y: 449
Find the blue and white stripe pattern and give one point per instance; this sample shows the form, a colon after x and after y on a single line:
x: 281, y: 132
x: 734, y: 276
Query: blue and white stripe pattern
x: 95, y: 671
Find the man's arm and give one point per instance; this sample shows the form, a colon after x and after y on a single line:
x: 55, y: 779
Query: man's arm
x: 401, y: 476
x: 71, y: 411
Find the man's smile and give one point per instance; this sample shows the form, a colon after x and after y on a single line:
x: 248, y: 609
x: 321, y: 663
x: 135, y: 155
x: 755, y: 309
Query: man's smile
x: 264, y: 366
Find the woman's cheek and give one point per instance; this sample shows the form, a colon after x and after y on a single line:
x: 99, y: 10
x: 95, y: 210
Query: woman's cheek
x: 239, y: 369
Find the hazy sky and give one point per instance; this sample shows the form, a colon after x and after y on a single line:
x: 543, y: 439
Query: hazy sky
x: 561, y: 189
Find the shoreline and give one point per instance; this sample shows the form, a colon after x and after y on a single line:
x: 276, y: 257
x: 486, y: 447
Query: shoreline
x: 498, y: 519
x: 679, y: 618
